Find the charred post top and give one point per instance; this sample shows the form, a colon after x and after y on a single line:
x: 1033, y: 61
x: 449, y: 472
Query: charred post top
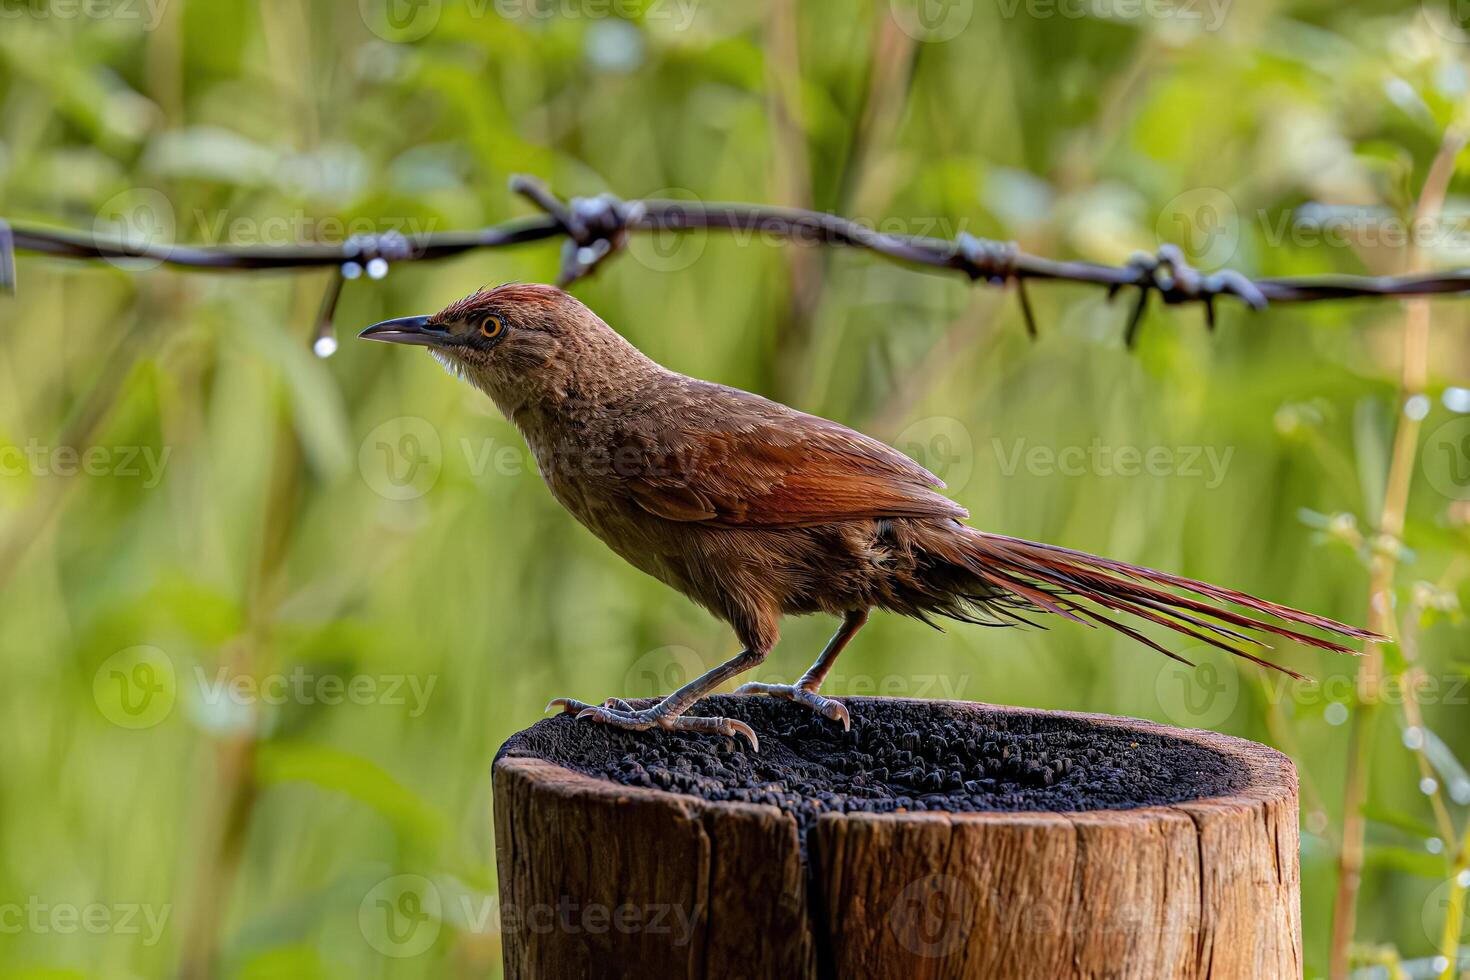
x: 900, y: 756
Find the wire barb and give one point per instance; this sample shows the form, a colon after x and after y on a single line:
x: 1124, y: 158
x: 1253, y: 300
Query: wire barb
x: 373, y: 254
x: 986, y: 258
x: 1169, y: 274
x: 595, y: 227
x: 361, y: 254
x: 324, y: 340
x: 995, y: 262
x: 1026, y: 312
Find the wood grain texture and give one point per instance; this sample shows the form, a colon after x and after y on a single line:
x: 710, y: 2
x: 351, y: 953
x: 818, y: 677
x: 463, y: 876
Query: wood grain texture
x: 595, y: 876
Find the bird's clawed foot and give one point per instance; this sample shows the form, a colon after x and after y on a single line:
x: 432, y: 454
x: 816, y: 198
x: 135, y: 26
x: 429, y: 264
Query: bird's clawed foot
x: 620, y: 714
x: 826, y: 707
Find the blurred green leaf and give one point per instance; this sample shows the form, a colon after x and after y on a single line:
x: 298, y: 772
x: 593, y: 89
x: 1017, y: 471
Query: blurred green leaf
x: 1372, y: 436
x: 1418, y: 863
x: 343, y: 772
x: 317, y: 412
x: 295, y: 962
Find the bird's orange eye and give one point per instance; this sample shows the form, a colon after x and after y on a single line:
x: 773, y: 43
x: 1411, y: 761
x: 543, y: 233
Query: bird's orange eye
x: 491, y: 326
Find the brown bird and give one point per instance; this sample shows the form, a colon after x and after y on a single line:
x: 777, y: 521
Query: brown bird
x: 755, y: 510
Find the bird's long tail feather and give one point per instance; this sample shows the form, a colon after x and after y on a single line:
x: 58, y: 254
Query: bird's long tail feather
x: 1014, y: 574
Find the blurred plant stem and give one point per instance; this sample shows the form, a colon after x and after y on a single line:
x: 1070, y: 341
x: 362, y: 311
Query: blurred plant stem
x: 227, y: 814
x: 791, y: 183
x: 969, y: 338
x: 1459, y: 869
x: 1384, y: 563
x: 1283, y: 736
x: 37, y: 518
x: 890, y: 65
x: 890, y: 73
x: 1409, y: 681
x: 1454, y: 916
x: 1456, y: 908
x: 1077, y: 168
x: 289, y: 51
x: 1386, y: 957
x: 226, y: 818
x: 165, y: 64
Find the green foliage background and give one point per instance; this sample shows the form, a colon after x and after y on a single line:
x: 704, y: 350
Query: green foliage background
x: 271, y: 545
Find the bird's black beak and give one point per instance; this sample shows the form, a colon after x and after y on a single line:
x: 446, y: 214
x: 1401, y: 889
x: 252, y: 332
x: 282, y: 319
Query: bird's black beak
x: 407, y: 330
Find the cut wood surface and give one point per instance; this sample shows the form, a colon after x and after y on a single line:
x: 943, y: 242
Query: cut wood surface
x: 602, y: 879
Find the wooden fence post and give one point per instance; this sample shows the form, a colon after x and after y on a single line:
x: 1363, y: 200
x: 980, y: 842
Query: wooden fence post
x: 597, y: 878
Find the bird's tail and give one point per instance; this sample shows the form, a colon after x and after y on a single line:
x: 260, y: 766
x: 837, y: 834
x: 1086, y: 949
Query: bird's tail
x: 993, y: 578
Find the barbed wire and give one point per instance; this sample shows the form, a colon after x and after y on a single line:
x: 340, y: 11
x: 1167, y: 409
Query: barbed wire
x: 596, y: 228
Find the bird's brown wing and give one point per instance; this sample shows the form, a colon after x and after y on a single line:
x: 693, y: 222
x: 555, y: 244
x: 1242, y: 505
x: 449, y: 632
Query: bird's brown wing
x: 743, y: 461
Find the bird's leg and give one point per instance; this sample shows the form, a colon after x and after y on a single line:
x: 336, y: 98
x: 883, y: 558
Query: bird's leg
x: 804, y: 691
x: 669, y: 713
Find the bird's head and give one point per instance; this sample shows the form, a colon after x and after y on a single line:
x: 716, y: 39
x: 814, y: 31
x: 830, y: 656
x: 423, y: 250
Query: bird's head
x: 520, y: 342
